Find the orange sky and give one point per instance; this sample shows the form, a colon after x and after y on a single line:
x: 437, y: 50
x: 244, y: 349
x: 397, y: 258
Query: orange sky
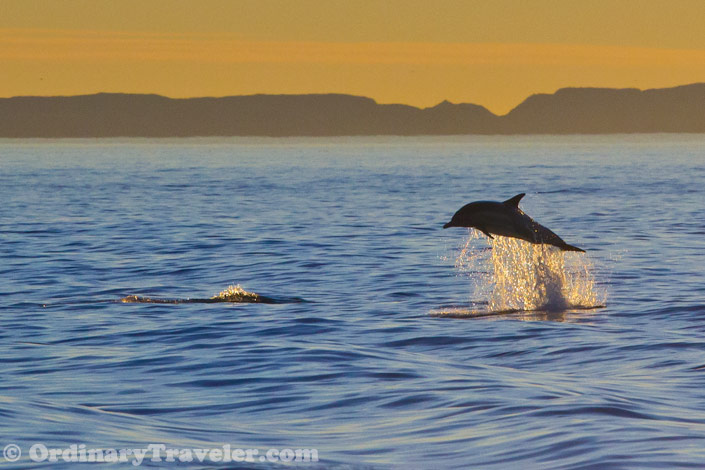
x: 493, y: 53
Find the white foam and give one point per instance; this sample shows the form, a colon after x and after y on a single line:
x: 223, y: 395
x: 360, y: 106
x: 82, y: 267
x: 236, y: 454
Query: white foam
x: 514, y: 275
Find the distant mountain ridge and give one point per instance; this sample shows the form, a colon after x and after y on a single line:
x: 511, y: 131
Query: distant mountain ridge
x: 607, y: 111
x: 567, y: 111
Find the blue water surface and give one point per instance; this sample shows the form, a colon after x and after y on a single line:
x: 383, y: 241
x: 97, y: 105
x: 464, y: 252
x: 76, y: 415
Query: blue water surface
x: 346, y: 234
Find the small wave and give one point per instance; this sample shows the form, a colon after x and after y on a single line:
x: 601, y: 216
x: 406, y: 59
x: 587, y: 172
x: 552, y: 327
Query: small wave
x: 527, y: 315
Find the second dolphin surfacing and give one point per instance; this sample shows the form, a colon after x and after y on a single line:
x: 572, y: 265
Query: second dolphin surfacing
x: 506, y: 219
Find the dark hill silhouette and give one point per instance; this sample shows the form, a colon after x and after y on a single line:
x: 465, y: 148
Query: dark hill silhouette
x: 117, y: 115
x: 605, y: 111
x: 569, y: 110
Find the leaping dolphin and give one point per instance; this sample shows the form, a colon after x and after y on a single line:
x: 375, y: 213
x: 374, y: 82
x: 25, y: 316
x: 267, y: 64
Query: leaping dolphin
x: 506, y: 219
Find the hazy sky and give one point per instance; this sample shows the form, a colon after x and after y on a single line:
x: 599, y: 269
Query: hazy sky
x: 490, y: 52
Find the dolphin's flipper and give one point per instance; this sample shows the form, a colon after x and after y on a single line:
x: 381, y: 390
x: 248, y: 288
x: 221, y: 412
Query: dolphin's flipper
x: 485, y: 232
x: 514, y: 202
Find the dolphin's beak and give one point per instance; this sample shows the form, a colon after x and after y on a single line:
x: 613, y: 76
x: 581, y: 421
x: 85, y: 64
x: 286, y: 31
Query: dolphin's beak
x: 447, y: 225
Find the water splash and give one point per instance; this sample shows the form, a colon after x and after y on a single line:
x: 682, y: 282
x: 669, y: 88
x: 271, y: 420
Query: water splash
x: 513, y: 275
x: 234, y: 294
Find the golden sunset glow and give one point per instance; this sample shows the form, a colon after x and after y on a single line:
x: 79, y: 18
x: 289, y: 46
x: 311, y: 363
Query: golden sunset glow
x: 489, y: 53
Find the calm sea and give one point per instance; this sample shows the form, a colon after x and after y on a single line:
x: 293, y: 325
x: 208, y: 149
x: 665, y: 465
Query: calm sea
x: 384, y: 349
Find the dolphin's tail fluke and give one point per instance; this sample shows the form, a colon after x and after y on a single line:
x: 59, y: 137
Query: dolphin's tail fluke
x: 566, y: 247
x: 540, y: 234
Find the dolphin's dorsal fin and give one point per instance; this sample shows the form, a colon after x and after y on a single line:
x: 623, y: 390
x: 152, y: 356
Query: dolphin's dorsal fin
x: 514, y: 202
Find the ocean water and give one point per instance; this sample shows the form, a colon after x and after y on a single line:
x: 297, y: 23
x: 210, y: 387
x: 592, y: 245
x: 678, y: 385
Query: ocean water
x: 390, y: 342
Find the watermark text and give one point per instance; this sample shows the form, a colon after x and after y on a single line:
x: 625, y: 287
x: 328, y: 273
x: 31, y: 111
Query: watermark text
x: 80, y: 453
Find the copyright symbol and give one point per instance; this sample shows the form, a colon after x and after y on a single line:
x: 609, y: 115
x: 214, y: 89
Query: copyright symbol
x: 12, y: 452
